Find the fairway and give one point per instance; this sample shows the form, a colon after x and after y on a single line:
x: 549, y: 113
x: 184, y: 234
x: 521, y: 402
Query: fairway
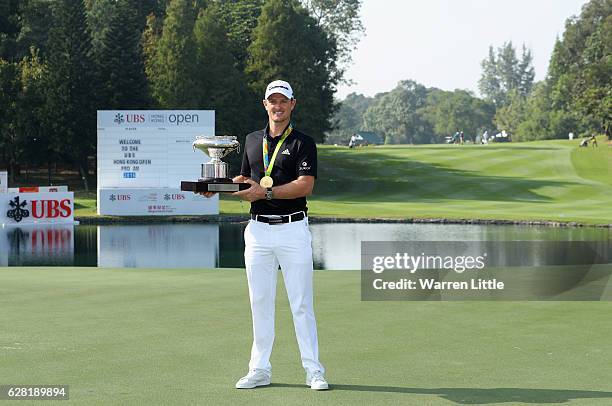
x: 544, y: 180
x: 145, y: 337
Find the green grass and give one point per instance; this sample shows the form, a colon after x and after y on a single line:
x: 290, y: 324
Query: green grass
x: 545, y: 180
x: 85, y: 203
x: 593, y: 163
x: 144, y: 337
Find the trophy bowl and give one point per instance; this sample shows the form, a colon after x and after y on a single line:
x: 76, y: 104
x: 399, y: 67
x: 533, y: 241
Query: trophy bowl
x: 215, y: 173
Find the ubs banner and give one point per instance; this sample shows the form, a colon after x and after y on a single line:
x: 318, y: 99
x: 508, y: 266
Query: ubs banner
x: 143, y: 155
x: 37, y: 208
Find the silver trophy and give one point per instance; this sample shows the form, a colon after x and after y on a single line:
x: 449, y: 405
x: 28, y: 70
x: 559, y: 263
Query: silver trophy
x: 215, y: 173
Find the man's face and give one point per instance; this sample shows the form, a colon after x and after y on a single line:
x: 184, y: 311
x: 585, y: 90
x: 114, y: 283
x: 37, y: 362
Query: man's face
x: 279, y: 107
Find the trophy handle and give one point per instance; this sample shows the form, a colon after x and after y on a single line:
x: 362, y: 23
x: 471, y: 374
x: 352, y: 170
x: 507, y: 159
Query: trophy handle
x: 227, y: 151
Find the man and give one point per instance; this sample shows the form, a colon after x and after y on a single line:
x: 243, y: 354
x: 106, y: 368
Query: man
x: 280, y: 163
x: 352, y: 141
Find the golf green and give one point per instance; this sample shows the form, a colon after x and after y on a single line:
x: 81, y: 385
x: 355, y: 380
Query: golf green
x: 178, y: 337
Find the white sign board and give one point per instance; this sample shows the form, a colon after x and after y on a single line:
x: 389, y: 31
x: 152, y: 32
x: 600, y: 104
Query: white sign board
x: 155, y: 202
x: 37, y: 208
x: 158, y: 246
x: 149, y: 152
x: 3, y: 182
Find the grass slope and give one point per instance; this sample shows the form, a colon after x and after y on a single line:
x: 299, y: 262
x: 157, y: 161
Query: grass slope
x: 178, y: 337
x: 547, y: 180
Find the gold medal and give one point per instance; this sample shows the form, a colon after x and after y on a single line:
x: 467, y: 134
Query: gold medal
x: 266, y: 182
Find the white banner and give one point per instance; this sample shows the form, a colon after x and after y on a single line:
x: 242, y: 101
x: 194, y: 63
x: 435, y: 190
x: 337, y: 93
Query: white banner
x: 158, y: 246
x: 150, y: 150
x: 37, y: 208
x: 3, y: 182
x: 154, y: 202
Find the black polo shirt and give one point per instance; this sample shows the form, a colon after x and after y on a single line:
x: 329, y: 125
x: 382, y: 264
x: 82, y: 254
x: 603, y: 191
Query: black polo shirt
x: 296, y: 157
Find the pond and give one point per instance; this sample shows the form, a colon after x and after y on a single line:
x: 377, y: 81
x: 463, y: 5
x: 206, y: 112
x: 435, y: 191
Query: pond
x: 335, y: 246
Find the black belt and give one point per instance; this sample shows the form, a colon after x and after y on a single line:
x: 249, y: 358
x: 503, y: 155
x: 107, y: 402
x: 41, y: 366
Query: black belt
x: 280, y: 219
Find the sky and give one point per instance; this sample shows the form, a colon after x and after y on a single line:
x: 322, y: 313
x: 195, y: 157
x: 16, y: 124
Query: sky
x: 440, y: 43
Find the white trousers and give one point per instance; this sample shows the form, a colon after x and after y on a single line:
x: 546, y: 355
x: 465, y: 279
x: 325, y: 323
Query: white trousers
x: 266, y: 247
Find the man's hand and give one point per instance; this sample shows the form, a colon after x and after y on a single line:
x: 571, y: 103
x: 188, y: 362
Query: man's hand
x: 236, y: 179
x: 255, y: 192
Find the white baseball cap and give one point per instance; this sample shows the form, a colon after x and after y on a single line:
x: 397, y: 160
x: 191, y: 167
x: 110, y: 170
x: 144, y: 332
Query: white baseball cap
x: 279, y: 86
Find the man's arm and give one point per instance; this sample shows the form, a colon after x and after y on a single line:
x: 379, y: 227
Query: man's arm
x: 300, y: 187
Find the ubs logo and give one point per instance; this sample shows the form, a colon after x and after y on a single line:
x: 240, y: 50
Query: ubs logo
x: 135, y: 118
x: 114, y: 197
x: 119, y: 118
x: 18, y: 212
x: 174, y: 196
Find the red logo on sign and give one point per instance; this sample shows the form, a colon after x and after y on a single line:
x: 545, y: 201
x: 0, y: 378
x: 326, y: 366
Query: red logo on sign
x: 51, y: 209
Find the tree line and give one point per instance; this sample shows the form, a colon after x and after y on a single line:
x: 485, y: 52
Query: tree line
x: 61, y: 60
x: 575, y: 96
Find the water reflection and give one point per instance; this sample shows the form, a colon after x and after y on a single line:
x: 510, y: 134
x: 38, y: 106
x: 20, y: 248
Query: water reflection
x: 158, y: 246
x: 338, y: 246
x: 33, y: 245
x: 335, y: 246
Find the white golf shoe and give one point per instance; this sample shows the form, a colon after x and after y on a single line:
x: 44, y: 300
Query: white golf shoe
x: 316, y: 381
x: 255, y: 377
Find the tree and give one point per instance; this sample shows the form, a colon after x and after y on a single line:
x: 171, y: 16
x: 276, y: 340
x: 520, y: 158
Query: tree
x: 37, y: 146
x: 341, y: 20
x: 503, y: 72
x: 449, y: 112
x: 222, y: 87
x: 35, y: 23
x: 70, y: 104
x: 9, y: 29
x: 240, y: 19
x: 172, y: 69
x: 576, y: 95
x: 149, y: 40
x: 490, y: 83
x: 581, y: 69
x: 99, y: 16
x: 397, y: 115
x: 289, y: 45
x: 9, y: 89
x: 526, y: 72
x: 119, y: 58
x: 348, y: 119
x: 509, y: 116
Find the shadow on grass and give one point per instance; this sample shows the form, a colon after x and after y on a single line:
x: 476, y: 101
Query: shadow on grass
x: 476, y: 396
x: 368, y: 177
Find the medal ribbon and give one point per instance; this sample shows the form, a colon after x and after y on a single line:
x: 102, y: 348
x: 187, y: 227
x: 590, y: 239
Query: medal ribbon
x: 269, y: 162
